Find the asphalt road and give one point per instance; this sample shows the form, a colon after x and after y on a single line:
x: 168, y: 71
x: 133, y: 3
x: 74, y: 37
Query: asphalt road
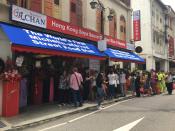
x: 155, y: 113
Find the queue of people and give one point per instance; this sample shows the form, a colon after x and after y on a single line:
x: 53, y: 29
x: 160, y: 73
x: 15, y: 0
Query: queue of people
x: 76, y: 88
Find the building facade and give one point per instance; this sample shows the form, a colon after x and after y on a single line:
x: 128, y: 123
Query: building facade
x: 153, y: 34
x: 79, y: 13
x: 45, y: 36
x: 170, y: 35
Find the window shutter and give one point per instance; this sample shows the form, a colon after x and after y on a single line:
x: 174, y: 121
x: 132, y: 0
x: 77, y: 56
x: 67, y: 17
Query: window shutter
x: 36, y: 5
x: 73, y: 16
x: 56, y: 11
x: 115, y: 27
x: 79, y: 13
x: 48, y: 5
x: 111, y: 27
x: 98, y: 21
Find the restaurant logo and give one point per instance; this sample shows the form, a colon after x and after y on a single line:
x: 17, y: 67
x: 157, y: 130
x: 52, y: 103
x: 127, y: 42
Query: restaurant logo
x: 29, y: 17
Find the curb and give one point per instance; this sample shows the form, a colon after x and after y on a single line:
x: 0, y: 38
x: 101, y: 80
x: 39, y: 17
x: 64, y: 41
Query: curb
x: 42, y: 121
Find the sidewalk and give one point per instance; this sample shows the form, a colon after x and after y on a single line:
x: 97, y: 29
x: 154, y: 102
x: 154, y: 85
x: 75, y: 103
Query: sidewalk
x: 39, y: 114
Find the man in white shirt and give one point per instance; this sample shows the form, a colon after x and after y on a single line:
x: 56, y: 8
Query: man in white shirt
x: 112, y: 79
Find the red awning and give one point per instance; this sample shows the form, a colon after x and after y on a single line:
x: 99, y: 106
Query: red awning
x: 20, y: 48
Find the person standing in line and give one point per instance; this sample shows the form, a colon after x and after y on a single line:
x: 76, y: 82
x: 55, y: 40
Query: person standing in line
x: 132, y: 84
x: 112, y: 82
x: 122, y: 83
x: 93, y: 85
x: 137, y: 84
x: 100, y: 91
x: 62, y: 88
x: 169, y: 83
x: 75, y: 84
x: 116, y: 83
x: 147, y: 84
x: 154, y: 82
x: 86, y: 85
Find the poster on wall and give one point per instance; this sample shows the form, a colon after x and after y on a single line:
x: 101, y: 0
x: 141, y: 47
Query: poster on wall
x: 94, y: 65
x: 136, y: 25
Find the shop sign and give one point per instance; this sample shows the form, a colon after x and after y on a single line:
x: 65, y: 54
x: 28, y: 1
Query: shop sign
x: 94, y: 65
x: 130, y: 46
x: 136, y: 24
x: 29, y: 17
x: 66, y: 28
x: 31, y: 38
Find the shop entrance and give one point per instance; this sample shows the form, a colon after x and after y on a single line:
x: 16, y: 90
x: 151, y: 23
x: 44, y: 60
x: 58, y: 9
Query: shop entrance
x: 40, y: 76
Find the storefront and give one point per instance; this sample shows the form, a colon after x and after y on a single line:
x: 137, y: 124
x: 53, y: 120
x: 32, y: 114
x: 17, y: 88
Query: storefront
x: 41, y: 58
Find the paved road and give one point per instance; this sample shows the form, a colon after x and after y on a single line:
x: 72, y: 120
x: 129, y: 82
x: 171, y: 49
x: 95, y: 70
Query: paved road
x: 155, y: 113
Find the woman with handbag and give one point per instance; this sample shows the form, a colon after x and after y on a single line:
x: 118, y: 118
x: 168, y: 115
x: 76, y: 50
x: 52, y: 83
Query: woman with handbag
x: 75, y: 84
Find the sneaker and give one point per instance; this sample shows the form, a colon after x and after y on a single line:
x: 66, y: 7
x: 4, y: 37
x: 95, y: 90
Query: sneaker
x: 100, y: 107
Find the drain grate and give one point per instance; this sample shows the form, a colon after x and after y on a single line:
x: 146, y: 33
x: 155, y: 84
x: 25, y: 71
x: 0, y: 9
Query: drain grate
x: 2, y: 125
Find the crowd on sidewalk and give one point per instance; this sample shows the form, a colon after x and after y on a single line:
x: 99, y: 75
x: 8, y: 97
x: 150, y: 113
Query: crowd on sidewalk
x: 76, y: 88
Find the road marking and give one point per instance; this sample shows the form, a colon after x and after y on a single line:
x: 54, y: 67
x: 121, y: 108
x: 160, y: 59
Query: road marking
x: 53, y: 126
x: 129, y: 126
x: 70, y: 121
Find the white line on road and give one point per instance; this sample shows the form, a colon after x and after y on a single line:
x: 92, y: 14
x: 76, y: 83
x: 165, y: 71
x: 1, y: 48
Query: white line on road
x: 62, y: 124
x: 129, y: 126
x: 53, y: 126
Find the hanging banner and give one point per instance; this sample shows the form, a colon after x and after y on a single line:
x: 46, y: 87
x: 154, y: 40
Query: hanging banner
x: 171, y: 47
x: 136, y: 25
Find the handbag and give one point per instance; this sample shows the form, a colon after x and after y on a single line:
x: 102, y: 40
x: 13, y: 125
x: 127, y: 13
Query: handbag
x: 80, y: 85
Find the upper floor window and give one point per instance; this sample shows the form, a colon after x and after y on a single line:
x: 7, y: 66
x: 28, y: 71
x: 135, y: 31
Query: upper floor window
x: 73, y: 7
x: 113, y: 27
x: 99, y: 21
x: 10, y: 2
x: 56, y: 2
x: 153, y: 13
x: 21, y: 3
x: 122, y: 28
x: 161, y: 20
x: 76, y: 12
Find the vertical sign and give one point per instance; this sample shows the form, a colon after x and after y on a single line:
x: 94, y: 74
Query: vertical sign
x: 136, y: 25
x: 171, y: 47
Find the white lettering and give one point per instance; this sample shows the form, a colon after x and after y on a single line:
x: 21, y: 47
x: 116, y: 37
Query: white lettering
x: 58, y: 25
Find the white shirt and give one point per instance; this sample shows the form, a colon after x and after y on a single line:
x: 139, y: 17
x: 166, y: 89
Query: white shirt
x: 122, y: 78
x: 112, y: 79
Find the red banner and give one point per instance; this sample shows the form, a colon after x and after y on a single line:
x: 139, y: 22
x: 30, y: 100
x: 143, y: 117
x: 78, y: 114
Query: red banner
x: 171, y: 47
x: 136, y: 25
x: 67, y: 28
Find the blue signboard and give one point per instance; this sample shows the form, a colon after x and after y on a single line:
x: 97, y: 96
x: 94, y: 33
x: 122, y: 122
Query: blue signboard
x: 116, y: 54
x: 25, y: 37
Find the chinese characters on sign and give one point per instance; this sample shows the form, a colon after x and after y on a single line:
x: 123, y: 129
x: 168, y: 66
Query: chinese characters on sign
x: 136, y: 25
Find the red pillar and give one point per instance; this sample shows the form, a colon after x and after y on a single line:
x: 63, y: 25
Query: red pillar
x: 10, y: 101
